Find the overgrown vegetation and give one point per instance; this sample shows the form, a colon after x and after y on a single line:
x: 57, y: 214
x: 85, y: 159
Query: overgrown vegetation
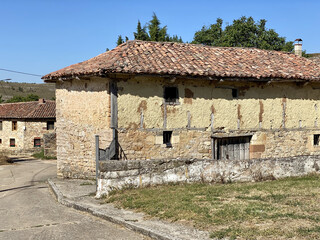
x: 4, y: 160
x: 40, y: 155
x: 281, y: 209
x: 28, y: 98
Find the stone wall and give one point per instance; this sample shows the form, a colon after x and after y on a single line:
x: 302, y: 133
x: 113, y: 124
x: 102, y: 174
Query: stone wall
x: 50, y: 144
x: 281, y: 119
x: 24, y: 135
x: 121, y: 174
x: 140, y: 144
x: 82, y: 111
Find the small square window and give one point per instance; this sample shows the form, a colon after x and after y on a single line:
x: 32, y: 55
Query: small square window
x: 316, y: 139
x: 37, y: 142
x: 14, y: 125
x: 0, y: 125
x: 167, y: 135
x: 234, y: 93
x: 171, y: 95
x: 12, y: 142
x: 50, y: 125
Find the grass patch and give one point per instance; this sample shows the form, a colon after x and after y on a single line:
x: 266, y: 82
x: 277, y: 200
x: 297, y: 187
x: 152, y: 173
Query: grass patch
x: 40, y: 155
x: 86, y: 183
x: 281, y: 209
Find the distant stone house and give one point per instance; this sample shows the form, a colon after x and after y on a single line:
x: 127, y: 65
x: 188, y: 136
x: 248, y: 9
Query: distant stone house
x: 185, y: 101
x: 24, y: 125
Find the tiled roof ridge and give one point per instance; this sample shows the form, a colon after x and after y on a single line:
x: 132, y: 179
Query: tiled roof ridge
x: 196, y: 60
x: 199, y: 45
x: 26, y: 102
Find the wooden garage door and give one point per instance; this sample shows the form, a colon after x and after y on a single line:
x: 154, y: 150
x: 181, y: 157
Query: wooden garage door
x: 233, y: 148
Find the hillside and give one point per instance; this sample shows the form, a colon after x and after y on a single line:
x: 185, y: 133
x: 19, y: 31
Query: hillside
x: 10, y: 89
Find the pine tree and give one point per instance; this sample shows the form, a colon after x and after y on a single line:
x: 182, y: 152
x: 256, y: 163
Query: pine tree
x: 151, y: 32
x: 141, y: 33
x: 120, y: 40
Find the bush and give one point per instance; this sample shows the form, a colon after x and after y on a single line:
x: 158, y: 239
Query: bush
x: 40, y: 155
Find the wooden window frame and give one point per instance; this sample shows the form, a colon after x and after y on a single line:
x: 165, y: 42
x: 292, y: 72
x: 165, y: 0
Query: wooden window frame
x: 37, y: 142
x: 14, y: 125
x: 14, y: 142
x: 231, y: 148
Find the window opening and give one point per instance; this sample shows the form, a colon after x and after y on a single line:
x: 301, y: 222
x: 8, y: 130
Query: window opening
x: 234, y: 93
x: 50, y: 125
x: 37, y: 142
x: 0, y: 125
x: 14, y: 125
x: 12, y: 142
x: 316, y: 139
x: 233, y: 148
x: 171, y: 95
x: 167, y: 135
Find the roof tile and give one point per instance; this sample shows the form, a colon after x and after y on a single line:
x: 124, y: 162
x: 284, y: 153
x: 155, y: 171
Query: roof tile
x: 28, y: 110
x: 194, y: 60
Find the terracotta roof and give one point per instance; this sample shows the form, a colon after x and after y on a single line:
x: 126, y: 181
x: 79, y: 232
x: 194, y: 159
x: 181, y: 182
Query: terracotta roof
x: 140, y: 57
x: 27, y: 110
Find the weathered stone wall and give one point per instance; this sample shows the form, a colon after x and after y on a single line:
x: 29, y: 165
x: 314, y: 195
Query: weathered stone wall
x: 27, y: 131
x: 82, y: 111
x: 258, y: 105
x: 121, y: 174
x: 50, y: 144
x: 281, y: 117
x: 143, y: 144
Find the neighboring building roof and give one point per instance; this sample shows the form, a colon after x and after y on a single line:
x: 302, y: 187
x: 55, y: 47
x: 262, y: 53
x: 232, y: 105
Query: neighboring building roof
x: 315, y: 57
x: 140, y: 57
x: 28, y: 110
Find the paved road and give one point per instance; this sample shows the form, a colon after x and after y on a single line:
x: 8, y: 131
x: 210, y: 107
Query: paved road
x: 29, y: 211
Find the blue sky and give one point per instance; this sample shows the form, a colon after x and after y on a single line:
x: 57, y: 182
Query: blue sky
x: 41, y: 36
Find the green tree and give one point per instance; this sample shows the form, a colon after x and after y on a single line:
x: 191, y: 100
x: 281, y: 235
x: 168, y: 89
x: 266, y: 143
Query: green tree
x: 120, y: 40
x: 152, y: 31
x: 243, y: 32
x: 29, y: 98
x: 141, y: 33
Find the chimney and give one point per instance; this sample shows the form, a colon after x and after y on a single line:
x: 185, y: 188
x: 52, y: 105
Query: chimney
x: 41, y: 100
x: 298, y: 47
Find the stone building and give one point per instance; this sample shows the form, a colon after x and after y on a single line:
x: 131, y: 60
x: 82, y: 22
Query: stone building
x: 185, y: 101
x: 23, y: 126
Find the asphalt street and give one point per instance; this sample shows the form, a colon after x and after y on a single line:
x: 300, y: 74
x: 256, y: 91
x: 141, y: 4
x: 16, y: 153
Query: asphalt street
x: 28, y: 209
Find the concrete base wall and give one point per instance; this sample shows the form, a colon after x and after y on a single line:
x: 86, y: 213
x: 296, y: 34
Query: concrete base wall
x: 121, y: 174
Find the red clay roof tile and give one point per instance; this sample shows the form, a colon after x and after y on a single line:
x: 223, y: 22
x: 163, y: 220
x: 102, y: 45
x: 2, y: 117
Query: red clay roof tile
x: 28, y: 110
x: 141, y: 57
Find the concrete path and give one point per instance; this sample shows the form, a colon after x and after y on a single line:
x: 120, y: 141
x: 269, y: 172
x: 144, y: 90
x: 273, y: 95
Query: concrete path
x: 79, y: 194
x: 28, y: 209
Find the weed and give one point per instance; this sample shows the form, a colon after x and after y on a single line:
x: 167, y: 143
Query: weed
x: 86, y: 183
x: 40, y: 155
